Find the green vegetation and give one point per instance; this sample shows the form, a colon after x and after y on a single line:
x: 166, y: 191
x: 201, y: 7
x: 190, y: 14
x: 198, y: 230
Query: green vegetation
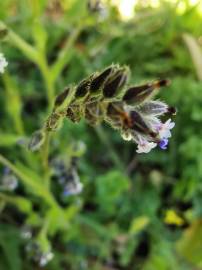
x: 136, y: 211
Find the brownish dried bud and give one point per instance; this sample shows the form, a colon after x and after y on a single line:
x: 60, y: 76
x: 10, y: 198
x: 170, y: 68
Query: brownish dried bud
x: 138, y: 124
x: 113, y: 114
x: 93, y: 113
x: 113, y: 86
x: 83, y: 88
x: 99, y: 80
x: 53, y: 121
x: 37, y: 140
x: 172, y: 110
x: 60, y: 99
x: 74, y: 113
x: 138, y: 94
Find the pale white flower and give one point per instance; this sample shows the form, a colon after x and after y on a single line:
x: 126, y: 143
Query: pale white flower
x: 73, y: 188
x: 3, y: 63
x: 45, y: 258
x: 164, y: 129
x: 144, y: 146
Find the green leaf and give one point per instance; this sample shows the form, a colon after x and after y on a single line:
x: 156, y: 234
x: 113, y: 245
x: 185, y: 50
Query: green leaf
x: 196, y: 53
x: 7, y: 139
x: 190, y: 245
x: 10, y: 244
x: 138, y: 224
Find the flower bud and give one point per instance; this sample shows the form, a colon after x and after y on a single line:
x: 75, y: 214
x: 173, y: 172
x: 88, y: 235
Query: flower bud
x: 45, y: 258
x: 98, y: 81
x: 139, y: 125
x: 60, y: 99
x: 153, y: 108
x: 54, y: 121
x: 9, y: 181
x: 37, y: 140
x: 138, y: 94
x: 113, y: 86
x: 26, y: 232
x: 74, y: 113
x: 83, y: 88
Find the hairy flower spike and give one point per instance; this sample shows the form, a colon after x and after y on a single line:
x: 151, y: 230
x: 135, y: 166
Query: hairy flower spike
x: 134, y: 114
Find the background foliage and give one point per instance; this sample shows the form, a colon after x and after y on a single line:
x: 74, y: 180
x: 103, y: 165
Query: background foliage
x: 135, y: 211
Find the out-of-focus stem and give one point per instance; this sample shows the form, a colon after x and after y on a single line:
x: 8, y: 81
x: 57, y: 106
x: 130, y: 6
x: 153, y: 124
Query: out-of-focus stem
x: 37, y: 188
x: 65, y: 54
x: 14, y: 103
x: 21, y: 44
x: 45, y: 157
x: 114, y: 156
x: 49, y: 84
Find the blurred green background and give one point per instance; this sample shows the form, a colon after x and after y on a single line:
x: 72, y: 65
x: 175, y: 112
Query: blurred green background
x: 136, y: 211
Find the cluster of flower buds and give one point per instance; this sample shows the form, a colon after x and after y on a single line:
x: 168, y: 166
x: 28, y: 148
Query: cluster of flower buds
x: 67, y: 176
x: 106, y: 96
x: 35, y: 253
x: 95, y: 5
x: 8, y: 181
x: 65, y: 167
x: 33, y: 248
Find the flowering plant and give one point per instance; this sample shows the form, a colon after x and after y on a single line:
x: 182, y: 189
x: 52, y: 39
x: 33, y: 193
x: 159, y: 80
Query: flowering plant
x: 105, y: 97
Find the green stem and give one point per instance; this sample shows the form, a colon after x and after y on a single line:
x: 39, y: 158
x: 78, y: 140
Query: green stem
x: 45, y: 156
x: 35, y: 187
x: 114, y: 156
x: 21, y: 175
x: 21, y: 44
x: 6, y: 198
x: 65, y: 54
x: 45, y: 71
x: 14, y: 102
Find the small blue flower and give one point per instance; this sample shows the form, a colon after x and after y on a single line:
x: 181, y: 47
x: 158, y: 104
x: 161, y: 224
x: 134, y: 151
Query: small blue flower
x: 163, y: 144
x: 66, y: 193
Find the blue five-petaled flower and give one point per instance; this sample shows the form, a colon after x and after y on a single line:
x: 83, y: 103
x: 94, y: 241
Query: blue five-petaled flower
x: 163, y: 144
